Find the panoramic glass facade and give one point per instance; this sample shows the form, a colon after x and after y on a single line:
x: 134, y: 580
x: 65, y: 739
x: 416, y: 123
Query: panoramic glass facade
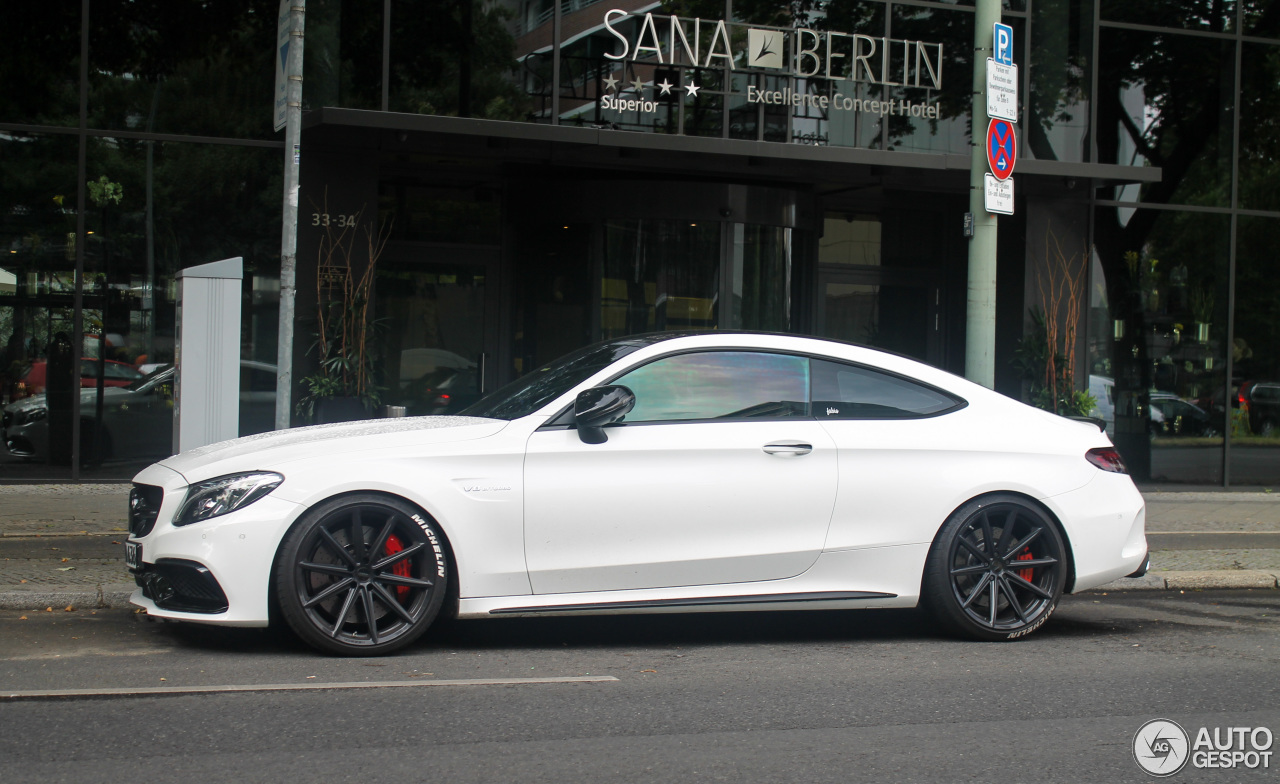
x: 1182, y: 341
x: 136, y: 140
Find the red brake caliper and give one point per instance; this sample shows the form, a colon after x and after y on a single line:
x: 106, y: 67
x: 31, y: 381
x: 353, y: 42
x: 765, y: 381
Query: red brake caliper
x: 401, y: 567
x: 1026, y: 574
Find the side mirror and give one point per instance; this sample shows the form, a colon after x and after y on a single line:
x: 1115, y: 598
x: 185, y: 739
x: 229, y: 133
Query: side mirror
x: 600, y: 406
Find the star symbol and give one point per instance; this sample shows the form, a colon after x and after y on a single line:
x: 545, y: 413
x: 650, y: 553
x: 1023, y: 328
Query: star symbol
x: 693, y: 89
x: 611, y: 84
x: 666, y: 87
x: 637, y: 85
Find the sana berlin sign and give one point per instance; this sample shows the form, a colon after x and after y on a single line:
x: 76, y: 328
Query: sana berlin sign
x: 1002, y: 148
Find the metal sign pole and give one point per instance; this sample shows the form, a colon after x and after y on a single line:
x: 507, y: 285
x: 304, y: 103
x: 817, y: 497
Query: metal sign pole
x: 980, y: 310
x: 289, y: 235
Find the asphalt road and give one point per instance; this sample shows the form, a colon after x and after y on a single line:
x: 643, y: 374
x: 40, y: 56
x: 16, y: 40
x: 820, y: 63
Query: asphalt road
x: 746, y: 697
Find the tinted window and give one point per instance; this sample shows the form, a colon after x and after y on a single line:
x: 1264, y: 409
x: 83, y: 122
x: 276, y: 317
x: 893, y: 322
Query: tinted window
x: 851, y: 392
x: 719, y: 384
x: 1263, y: 392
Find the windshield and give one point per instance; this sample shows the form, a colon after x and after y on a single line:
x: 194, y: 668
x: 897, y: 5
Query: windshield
x: 147, y: 383
x: 533, y: 391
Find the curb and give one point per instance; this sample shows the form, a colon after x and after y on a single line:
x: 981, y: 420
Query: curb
x: 1197, y: 580
x: 87, y: 597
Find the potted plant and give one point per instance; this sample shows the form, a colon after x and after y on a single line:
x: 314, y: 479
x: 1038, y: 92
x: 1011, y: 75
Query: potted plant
x: 1046, y: 354
x: 1202, y: 309
x: 344, y: 387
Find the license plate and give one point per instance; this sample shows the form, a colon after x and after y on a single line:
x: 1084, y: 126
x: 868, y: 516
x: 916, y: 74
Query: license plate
x: 133, y: 556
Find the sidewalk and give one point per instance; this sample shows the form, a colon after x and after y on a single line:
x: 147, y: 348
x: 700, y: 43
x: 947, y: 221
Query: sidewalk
x: 63, y: 545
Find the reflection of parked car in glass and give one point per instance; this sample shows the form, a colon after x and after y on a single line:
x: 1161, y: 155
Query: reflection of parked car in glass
x: 137, y: 420
x: 1103, y: 390
x: 436, y: 381
x: 1261, y: 399
x: 442, y: 391
x: 1173, y: 416
x: 116, y: 374
x: 1170, y: 415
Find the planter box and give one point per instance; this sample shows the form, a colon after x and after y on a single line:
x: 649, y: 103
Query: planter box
x: 340, y: 409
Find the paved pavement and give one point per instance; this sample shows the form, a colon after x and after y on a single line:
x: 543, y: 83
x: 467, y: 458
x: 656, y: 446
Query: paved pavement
x: 62, y: 545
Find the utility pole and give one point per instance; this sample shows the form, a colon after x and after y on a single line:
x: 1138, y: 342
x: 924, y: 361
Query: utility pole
x: 290, y: 27
x: 980, y: 308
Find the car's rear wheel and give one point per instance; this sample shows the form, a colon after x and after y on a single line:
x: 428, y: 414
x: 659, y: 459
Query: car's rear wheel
x: 362, y: 575
x: 996, y: 569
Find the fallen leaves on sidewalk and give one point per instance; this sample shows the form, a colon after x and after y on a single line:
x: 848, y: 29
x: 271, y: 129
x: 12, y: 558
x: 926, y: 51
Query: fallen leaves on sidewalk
x: 69, y: 608
x: 64, y: 569
x: 23, y: 618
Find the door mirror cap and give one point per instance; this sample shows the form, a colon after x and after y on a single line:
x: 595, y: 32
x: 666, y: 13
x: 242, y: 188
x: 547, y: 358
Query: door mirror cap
x: 600, y: 406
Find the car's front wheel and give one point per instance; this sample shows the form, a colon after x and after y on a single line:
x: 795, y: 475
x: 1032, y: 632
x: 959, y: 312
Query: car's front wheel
x: 362, y: 575
x: 996, y: 569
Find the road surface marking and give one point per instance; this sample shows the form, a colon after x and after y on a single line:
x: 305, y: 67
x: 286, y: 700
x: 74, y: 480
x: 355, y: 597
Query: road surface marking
x: 143, y: 691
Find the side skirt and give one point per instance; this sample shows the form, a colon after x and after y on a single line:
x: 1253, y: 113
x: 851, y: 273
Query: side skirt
x: 706, y: 601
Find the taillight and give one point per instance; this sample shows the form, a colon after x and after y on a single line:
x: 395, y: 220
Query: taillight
x: 1108, y: 459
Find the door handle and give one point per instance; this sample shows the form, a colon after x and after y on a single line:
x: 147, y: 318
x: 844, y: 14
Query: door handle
x: 788, y: 450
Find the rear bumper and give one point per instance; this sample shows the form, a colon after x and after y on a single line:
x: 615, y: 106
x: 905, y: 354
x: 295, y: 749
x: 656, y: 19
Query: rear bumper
x: 1106, y: 523
x: 1142, y: 570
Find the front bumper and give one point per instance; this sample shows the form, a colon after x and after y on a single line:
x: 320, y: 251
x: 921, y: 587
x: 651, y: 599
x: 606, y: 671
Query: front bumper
x: 181, y: 586
x: 217, y: 571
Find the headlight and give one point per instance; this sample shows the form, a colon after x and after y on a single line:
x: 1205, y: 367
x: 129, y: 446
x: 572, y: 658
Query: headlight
x: 224, y: 494
x: 27, y: 416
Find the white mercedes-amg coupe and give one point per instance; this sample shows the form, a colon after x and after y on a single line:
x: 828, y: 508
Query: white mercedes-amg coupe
x: 671, y: 472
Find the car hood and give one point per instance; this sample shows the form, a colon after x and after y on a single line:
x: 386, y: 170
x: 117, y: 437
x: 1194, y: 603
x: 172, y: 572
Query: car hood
x: 110, y: 395
x: 273, y: 449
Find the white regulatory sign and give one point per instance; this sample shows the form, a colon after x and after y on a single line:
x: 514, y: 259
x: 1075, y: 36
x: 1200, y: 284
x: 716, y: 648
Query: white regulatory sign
x: 1002, y: 91
x: 999, y: 195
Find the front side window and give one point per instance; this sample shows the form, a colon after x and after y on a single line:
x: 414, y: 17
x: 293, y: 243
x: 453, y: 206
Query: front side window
x: 719, y: 385
x: 850, y: 392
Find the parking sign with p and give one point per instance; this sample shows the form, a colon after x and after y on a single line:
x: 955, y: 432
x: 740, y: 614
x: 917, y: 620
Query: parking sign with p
x: 1002, y: 42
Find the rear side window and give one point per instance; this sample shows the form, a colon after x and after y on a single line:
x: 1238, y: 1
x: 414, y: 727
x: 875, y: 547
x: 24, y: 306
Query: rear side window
x: 850, y: 392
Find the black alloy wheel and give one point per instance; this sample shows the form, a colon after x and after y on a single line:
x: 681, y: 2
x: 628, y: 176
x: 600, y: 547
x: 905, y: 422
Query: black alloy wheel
x: 362, y: 575
x: 996, y: 570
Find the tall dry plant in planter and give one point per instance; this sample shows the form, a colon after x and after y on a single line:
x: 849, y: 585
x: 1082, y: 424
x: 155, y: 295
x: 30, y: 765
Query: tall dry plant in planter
x: 1046, y: 354
x: 345, y: 386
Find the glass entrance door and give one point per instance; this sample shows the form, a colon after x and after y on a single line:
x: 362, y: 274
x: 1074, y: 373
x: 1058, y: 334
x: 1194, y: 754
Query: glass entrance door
x: 434, y: 309
x: 871, y: 296
x: 883, y: 309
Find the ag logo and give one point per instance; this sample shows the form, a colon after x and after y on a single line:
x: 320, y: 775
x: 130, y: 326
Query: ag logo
x: 764, y: 48
x: 1160, y: 747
